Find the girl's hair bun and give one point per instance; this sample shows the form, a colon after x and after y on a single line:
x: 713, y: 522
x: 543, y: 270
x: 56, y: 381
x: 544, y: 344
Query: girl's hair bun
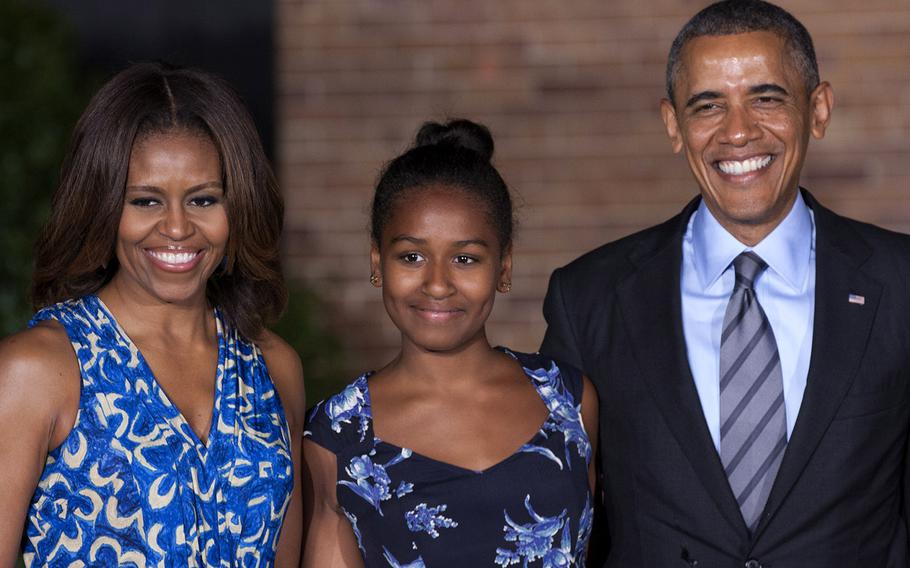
x: 458, y: 132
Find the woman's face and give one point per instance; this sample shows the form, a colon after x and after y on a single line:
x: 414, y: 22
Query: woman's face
x: 441, y: 263
x: 174, y: 227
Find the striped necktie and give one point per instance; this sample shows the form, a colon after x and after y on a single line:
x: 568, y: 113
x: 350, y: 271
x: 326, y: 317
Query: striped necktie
x: 753, y: 431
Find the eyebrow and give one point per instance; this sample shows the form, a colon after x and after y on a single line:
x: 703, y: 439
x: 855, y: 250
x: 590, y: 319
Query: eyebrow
x: 702, y: 96
x: 755, y: 90
x: 768, y: 88
x: 417, y: 241
x: 193, y: 189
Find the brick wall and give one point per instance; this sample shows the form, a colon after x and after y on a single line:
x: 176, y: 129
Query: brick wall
x: 570, y: 91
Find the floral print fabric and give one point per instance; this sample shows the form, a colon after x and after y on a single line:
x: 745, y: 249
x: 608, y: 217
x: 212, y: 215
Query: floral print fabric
x: 532, y: 509
x: 133, y: 485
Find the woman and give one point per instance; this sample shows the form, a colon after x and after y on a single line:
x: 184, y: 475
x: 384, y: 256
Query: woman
x: 455, y: 453
x: 147, y: 417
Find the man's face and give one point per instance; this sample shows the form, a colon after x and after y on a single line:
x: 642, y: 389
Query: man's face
x: 743, y: 117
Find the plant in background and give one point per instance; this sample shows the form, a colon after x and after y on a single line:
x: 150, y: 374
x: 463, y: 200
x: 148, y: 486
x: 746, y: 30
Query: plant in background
x: 320, y: 350
x: 39, y: 105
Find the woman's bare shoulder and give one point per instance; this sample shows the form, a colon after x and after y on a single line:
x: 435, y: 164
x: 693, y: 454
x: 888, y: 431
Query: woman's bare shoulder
x: 39, y: 377
x: 37, y: 353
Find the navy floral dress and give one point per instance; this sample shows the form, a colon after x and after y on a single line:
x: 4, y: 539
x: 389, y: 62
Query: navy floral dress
x: 533, y: 509
x: 132, y: 485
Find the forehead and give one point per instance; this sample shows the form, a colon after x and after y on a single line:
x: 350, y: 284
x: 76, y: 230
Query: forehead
x: 727, y: 61
x: 449, y: 213
x: 175, y: 158
x: 184, y: 146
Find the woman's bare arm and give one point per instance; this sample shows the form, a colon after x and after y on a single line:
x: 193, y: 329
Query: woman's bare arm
x: 329, y: 540
x: 39, y: 400
x: 287, y: 374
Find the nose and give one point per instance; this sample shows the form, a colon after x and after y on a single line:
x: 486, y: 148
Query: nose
x: 437, y: 283
x: 175, y: 224
x: 739, y: 127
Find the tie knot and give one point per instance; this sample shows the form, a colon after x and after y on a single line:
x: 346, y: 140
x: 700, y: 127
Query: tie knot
x: 748, y: 266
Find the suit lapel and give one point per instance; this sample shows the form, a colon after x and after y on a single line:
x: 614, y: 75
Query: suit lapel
x: 840, y: 333
x: 652, y: 311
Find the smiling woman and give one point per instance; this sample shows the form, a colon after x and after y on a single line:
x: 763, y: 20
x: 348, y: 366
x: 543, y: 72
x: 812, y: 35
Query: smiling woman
x: 147, y: 417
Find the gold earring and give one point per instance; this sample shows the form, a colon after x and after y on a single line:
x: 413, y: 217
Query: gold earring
x: 375, y: 280
x: 505, y: 287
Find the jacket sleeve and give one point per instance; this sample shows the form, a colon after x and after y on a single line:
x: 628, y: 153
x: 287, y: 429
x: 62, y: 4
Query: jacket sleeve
x: 560, y: 339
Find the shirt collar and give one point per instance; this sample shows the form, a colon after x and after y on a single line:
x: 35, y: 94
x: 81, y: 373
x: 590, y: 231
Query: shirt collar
x: 787, y: 249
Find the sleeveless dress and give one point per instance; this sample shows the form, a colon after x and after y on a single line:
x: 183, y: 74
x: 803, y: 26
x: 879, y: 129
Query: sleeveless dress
x: 532, y: 509
x: 132, y: 485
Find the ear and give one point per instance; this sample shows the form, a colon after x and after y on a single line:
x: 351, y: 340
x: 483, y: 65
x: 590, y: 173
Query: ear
x: 822, y: 103
x: 375, y: 265
x: 668, y: 113
x: 505, y: 268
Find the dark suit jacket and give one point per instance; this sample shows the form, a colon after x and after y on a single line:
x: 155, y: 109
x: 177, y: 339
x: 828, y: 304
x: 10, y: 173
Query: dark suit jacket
x: 841, y: 495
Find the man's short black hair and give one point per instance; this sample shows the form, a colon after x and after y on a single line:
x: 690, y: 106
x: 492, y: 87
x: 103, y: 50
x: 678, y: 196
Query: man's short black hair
x: 730, y: 17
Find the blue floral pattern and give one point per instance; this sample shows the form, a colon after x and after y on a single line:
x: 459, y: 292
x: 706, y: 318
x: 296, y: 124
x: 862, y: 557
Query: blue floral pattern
x: 428, y: 519
x: 535, y: 540
x: 533, y: 509
x: 133, y: 485
x: 564, y: 418
x: 370, y: 480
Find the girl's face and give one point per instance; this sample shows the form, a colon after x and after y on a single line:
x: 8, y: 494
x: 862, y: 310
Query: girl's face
x: 174, y: 227
x: 440, y: 263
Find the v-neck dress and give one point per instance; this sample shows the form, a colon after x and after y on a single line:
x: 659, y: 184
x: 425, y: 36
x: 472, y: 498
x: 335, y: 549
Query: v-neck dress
x: 132, y: 485
x: 533, y: 509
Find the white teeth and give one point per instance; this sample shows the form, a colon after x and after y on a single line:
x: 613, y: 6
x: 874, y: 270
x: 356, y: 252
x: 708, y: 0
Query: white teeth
x: 732, y: 167
x: 174, y: 257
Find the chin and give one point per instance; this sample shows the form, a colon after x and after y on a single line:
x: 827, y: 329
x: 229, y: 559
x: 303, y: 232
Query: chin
x: 173, y: 295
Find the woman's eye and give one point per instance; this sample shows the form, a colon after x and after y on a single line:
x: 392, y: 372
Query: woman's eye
x: 143, y: 201
x: 203, y: 201
x: 465, y: 259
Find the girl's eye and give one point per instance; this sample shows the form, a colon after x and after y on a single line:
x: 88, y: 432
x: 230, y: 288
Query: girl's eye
x: 411, y: 257
x: 465, y: 259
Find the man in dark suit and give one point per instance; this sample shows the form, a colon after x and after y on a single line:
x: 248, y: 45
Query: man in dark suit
x: 751, y: 354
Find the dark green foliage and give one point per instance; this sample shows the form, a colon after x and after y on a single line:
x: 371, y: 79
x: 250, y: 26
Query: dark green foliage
x: 40, y: 101
x: 303, y: 327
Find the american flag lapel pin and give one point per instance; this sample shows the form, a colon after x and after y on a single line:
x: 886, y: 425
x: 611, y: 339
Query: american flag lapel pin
x: 856, y: 299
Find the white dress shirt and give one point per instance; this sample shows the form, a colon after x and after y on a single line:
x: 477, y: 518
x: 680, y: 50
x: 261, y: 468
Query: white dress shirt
x: 785, y: 290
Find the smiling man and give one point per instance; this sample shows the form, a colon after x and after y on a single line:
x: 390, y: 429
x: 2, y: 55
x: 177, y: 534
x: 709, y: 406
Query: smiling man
x: 750, y: 354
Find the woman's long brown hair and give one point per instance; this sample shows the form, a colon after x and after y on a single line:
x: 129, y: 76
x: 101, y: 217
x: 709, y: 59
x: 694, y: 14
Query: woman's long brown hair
x: 74, y: 255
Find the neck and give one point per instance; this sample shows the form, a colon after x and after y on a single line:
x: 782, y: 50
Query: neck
x: 141, y: 316
x: 465, y: 366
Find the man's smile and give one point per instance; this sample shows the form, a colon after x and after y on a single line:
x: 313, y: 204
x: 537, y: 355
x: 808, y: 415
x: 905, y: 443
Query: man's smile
x: 747, y: 166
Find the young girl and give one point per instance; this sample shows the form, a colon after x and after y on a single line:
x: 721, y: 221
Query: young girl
x: 454, y: 453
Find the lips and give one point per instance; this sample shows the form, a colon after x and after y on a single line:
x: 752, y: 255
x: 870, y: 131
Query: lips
x: 437, y: 314
x: 174, y: 259
x: 747, y: 166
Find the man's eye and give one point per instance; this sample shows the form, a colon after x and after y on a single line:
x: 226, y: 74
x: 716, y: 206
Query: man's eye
x: 707, y: 107
x: 768, y: 101
x: 465, y: 259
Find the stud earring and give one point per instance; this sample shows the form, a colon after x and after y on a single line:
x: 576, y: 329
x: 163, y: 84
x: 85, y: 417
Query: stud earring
x: 505, y: 287
x: 375, y: 280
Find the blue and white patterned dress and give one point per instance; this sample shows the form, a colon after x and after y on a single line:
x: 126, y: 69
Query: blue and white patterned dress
x: 533, y: 509
x: 132, y: 485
